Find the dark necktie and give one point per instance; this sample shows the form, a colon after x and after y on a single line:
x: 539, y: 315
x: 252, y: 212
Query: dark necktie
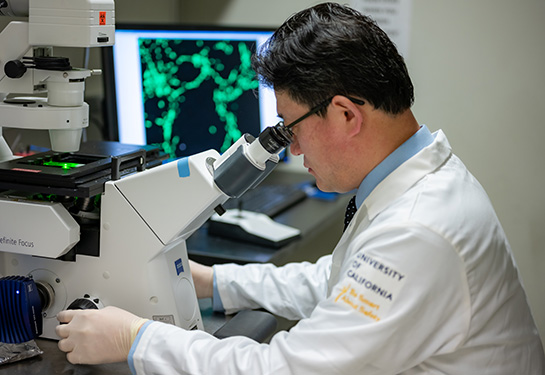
x: 350, y: 211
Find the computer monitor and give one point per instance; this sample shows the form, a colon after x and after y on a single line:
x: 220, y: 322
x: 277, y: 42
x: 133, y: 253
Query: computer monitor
x: 186, y: 89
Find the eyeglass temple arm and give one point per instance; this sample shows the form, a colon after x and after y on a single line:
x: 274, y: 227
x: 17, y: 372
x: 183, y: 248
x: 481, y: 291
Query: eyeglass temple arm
x: 319, y: 107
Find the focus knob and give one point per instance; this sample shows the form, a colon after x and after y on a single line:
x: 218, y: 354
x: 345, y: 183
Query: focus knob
x: 85, y: 303
x: 15, y: 69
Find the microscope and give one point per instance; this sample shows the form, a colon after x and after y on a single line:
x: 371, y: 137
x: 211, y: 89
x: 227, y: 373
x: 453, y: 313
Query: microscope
x: 88, y: 225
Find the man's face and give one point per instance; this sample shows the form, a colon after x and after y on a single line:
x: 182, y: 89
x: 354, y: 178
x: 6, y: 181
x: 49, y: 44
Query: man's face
x: 320, y: 140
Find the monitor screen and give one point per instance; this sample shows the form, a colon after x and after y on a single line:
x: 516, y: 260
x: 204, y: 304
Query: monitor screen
x: 185, y: 89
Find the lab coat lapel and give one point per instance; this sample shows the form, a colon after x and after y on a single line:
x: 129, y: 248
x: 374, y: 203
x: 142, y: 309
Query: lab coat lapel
x: 358, y: 224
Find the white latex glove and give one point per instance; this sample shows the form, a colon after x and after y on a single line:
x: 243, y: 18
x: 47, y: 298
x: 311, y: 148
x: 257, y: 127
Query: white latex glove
x: 203, y: 278
x: 97, y: 336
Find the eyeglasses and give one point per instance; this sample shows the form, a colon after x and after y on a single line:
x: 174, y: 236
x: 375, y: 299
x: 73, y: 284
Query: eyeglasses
x: 318, y: 108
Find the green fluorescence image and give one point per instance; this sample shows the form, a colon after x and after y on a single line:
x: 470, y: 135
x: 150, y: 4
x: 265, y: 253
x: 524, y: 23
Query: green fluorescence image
x: 63, y: 165
x: 198, y: 94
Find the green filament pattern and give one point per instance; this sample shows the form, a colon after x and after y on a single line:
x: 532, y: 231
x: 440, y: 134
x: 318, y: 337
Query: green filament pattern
x: 196, y: 88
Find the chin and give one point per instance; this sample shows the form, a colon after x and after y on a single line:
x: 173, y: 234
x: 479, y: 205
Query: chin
x: 324, y: 188
x: 331, y: 189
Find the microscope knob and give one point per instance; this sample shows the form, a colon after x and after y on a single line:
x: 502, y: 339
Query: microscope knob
x: 83, y: 304
x: 15, y: 69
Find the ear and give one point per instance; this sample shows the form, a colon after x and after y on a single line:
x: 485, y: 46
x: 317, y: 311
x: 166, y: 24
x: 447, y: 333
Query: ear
x: 349, y: 113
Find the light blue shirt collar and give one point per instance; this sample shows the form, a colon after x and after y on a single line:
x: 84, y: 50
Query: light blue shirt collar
x: 407, y: 150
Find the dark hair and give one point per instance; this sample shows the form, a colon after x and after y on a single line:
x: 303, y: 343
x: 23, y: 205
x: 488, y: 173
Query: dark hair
x: 331, y: 49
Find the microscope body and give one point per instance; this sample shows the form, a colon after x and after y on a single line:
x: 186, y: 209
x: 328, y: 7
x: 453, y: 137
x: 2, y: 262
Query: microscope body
x: 139, y: 262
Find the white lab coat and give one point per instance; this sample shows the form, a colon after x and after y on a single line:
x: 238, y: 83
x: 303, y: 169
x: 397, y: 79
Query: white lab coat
x: 422, y: 282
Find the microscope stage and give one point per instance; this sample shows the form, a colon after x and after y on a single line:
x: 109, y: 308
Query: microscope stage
x: 77, y: 174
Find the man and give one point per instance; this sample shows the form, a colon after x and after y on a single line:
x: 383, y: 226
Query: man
x: 422, y: 280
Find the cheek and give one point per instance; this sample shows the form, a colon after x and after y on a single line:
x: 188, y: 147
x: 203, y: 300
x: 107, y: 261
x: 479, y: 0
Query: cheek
x: 314, y: 142
x: 306, y: 140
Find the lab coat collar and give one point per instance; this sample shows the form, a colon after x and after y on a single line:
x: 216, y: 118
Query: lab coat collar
x: 419, y: 140
x: 406, y: 175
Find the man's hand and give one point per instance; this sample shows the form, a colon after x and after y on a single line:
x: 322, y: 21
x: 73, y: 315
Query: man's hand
x: 97, y: 336
x: 203, y: 278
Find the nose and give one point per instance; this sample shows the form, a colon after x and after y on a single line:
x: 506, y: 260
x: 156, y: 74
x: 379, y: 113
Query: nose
x: 295, y: 149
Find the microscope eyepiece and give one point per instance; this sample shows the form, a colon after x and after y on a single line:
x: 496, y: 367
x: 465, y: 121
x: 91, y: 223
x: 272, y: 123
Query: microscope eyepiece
x: 275, y: 138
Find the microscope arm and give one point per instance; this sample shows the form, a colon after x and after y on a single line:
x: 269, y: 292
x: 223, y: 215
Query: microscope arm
x: 177, y: 198
x: 173, y: 199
